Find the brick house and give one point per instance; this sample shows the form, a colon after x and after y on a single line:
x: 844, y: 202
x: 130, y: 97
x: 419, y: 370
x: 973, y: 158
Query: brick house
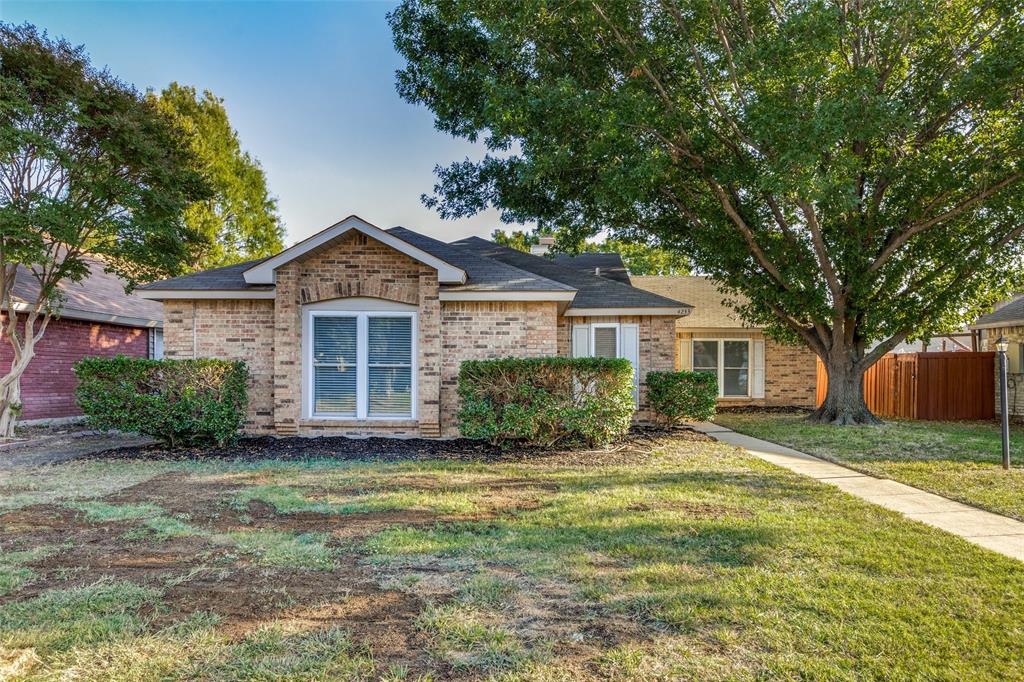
x: 752, y: 369
x: 359, y: 330
x: 97, y: 319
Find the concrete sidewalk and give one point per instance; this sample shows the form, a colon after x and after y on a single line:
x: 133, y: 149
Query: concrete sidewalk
x: 992, y: 531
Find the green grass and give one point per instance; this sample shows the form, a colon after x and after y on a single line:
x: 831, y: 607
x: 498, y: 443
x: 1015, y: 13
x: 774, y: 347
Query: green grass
x: 291, y: 500
x: 958, y: 460
x: 698, y: 563
x: 14, y: 574
x: 284, y: 549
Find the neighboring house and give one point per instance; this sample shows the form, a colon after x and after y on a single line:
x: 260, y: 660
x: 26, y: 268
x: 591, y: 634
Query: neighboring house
x: 751, y: 369
x: 359, y: 330
x: 1007, y: 320
x: 98, y: 319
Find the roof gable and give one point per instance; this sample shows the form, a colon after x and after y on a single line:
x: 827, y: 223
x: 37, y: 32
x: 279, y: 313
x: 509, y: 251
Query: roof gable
x: 263, y: 271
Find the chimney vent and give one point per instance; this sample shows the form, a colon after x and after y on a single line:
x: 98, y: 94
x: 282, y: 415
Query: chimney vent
x: 543, y: 246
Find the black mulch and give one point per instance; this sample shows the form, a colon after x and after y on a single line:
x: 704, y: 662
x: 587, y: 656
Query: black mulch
x: 642, y: 439
x: 764, y: 409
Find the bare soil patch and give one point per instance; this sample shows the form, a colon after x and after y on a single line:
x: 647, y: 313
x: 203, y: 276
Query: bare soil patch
x: 637, y: 446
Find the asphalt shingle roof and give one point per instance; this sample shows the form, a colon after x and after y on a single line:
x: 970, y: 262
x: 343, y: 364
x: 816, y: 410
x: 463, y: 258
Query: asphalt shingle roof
x: 488, y: 267
x: 227, y: 278
x: 482, y: 274
x: 607, y: 265
x: 593, y: 291
x: 1011, y: 312
x: 99, y: 293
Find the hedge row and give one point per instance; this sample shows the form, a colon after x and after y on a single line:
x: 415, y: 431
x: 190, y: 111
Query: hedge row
x: 179, y: 402
x: 546, y: 401
x: 676, y: 396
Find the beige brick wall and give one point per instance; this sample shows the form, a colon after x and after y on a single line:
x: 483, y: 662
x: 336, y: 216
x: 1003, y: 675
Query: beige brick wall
x: 709, y: 304
x: 790, y: 372
x: 355, y: 265
x: 1014, y: 380
x: 231, y: 330
x: 657, y: 346
x: 483, y: 330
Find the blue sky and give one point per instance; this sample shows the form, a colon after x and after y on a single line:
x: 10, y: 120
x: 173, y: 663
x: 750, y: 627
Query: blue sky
x: 308, y: 85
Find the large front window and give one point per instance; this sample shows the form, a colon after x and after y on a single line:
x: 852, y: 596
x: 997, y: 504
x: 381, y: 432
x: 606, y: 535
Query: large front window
x: 728, y: 360
x: 361, y: 364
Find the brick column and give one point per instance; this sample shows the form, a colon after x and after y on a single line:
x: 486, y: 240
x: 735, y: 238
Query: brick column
x: 429, y: 355
x: 287, y: 351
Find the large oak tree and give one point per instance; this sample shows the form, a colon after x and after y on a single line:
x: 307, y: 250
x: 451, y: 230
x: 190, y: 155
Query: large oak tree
x: 87, y: 167
x: 854, y: 167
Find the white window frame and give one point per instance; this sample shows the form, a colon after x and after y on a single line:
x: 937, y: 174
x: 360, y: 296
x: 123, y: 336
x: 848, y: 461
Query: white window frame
x: 606, y: 325
x: 362, y: 363
x: 721, y: 365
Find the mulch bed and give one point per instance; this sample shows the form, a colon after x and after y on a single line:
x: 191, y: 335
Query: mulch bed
x: 640, y: 440
x: 764, y: 409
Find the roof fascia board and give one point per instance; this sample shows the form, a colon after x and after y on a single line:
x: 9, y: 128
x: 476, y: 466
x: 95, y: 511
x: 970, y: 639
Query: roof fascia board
x: 506, y: 295
x: 996, y: 325
x: 263, y: 273
x: 167, y: 294
x: 608, y: 312
x: 91, y: 316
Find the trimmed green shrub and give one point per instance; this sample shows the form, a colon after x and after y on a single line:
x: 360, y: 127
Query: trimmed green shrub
x: 179, y: 402
x: 676, y: 396
x: 546, y: 401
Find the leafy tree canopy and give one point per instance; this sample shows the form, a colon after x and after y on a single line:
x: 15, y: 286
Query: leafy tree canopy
x: 639, y: 258
x: 853, y: 168
x: 240, y: 217
x: 87, y: 166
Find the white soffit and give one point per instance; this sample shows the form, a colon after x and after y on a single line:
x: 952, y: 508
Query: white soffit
x: 263, y: 273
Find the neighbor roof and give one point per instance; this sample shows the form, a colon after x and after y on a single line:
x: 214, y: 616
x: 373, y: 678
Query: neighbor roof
x: 607, y: 265
x: 1009, y: 315
x: 100, y: 297
x: 593, y: 292
x: 490, y: 270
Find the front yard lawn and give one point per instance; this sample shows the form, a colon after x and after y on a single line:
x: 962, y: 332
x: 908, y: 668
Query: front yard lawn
x: 681, y: 559
x: 958, y: 460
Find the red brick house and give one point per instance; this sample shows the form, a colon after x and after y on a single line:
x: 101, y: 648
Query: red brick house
x: 98, y: 319
x: 360, y: 330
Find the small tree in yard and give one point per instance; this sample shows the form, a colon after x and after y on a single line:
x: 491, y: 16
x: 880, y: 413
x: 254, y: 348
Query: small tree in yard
x: 853, y: 168
x: 86, y: 166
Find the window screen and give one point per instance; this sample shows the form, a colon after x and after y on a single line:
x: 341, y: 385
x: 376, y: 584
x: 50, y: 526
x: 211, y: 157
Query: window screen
x: 736, y: 368
x: 334, y: 365
x: 389, y: 362
x: 705, y: 356
x: 606, y: 342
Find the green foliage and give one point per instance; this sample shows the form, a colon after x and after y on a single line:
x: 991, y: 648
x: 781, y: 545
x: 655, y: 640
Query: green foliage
x: 546, y: 401
x: 240, y: 219
x: 179, y: 402
x: 854, y: 170
x: 639, y: 257
x: 76, y: 126
x: 682, y: 395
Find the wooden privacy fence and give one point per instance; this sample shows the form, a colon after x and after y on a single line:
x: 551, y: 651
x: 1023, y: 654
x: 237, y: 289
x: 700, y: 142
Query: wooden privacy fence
x: 932, y: 386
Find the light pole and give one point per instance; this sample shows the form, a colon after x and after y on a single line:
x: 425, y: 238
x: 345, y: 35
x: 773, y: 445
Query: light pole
x: 1001, y: 345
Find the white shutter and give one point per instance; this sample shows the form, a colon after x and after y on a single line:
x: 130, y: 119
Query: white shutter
x: 581, y: 341
x: 629, y: 346
x: 757, y: 373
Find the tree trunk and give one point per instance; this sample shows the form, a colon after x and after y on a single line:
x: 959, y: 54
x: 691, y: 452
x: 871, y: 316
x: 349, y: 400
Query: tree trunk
x: 844, y: 402
x: 10, y: 407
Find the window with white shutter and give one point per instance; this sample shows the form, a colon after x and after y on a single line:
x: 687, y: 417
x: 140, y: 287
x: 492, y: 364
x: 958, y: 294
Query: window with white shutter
x: 360, y: 364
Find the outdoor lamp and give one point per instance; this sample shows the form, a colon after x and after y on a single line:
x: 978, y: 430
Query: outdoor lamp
x: 1004, y: 408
